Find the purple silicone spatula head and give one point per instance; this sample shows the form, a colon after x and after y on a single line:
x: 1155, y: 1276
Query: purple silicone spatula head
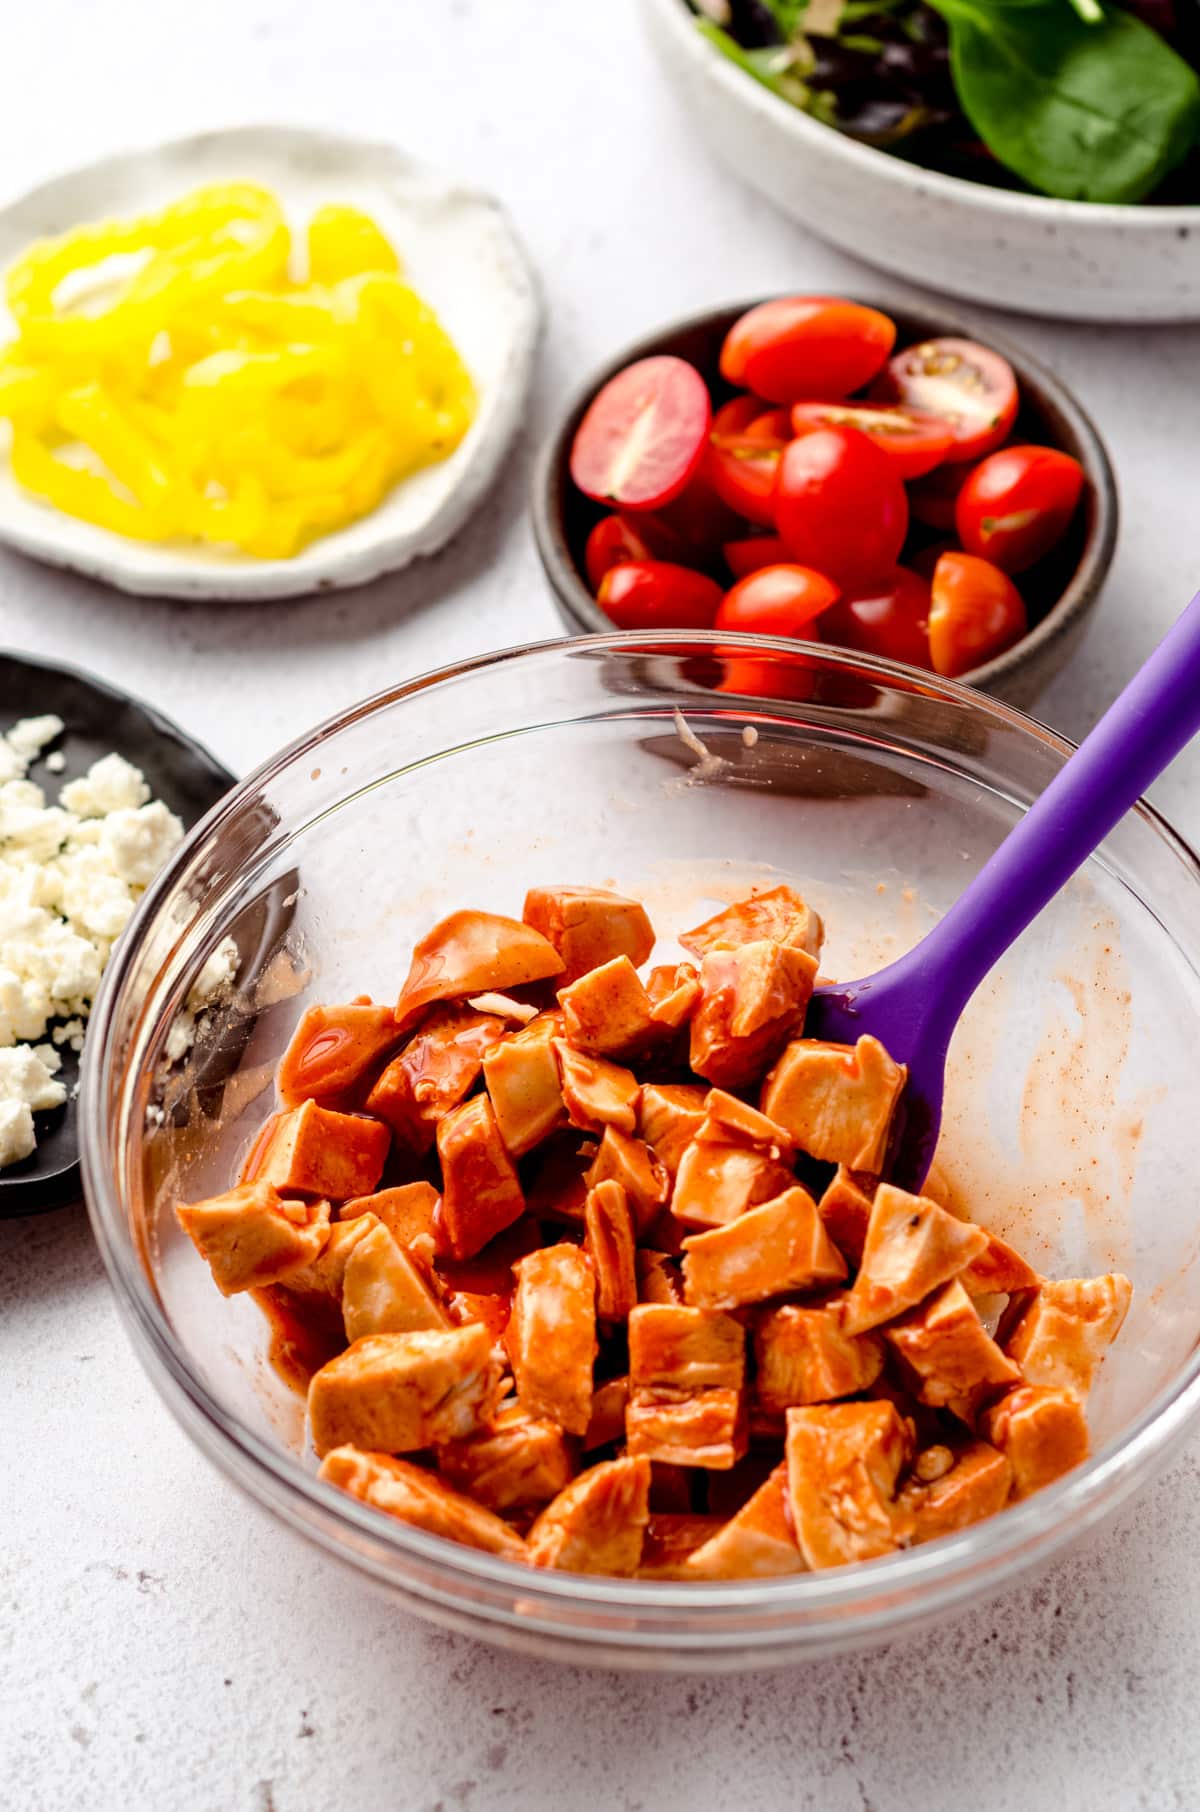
x: 914, y: 1004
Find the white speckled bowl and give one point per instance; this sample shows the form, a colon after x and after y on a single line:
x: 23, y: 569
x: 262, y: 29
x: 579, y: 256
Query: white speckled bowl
x: 459, y: 251
x: 1080, y: 260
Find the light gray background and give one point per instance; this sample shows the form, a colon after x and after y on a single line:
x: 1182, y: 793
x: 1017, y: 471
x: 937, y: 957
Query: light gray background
x: 161, y: 1644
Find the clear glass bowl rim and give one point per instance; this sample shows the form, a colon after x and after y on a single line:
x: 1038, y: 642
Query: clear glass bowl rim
x: 915, y: 1582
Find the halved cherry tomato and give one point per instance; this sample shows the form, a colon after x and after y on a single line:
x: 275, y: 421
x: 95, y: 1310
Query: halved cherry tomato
x: 736, y: 415
x: 657, y: 594
x: 615, y: 540
x: 814, y: 346
x: 644, y: 434
x: 752, y: 553
x: 1016, y: 504
x: 840, y: 506
x: 914, y: 441
x: 779, y: 600
x: 967, y: 385
x: 890, y: 618
x: 975, y: 612
x: 933, y: 497
x: 743, y: 468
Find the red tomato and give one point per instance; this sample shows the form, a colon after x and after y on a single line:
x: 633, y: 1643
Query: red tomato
x: 779, y: 600
x: 615, y: 540
x: 753, y: 552
x: 644, y: 435
x: 890, y: 618
x: 976, y: 612
x: 657, y: 594
x: 1016, y: 503
x: 743, y: 469
x: 700, y: 517
x: 933, y: 497
x: 914, y: 441
x: 736, y: 415
x: 803, y: 346
x: 840, y: 506
x: 760, y: 676
x: 967, y: 385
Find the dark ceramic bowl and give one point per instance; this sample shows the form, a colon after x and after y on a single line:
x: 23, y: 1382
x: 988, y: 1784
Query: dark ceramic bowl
x: 1059, y: 592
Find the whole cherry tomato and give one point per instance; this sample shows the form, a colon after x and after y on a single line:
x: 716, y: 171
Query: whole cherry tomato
x: 1016, y: 504
x: 975, y: 612
x: 778, y: 600
x: 752, y: 552
x: 914, y: 441
x: 806, y: 346
x: 965, y: 384
x: 615, y: 540
x: 840, y: 506
x: 889, y: 618
x: 744, y: 466
x: 657, y: 594
x: 932, y: 498
x: 643, y: 435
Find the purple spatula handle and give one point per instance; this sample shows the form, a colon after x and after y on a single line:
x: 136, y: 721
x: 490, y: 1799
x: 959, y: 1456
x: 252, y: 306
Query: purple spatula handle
x: 1153, y: 719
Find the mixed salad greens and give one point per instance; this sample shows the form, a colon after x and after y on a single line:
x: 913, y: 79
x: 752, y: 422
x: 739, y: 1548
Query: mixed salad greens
x: 1080, y: 99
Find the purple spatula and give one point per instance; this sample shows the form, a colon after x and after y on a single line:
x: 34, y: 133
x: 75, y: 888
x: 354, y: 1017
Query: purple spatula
x: 914, y: 1004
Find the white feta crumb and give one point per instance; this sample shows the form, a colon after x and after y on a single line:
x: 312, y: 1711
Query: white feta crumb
x: 181, y: 1037
x: 28, y: 738
x: 17, y: 1139
x: 56, y: 761
x: 27, y: 1079
x: 216, y: 975
x: 111, y: 784
x: 70, y: 1032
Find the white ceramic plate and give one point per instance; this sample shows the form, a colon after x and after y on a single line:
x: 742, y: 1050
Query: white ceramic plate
x: 1078, y: 260
x: 462, y: 256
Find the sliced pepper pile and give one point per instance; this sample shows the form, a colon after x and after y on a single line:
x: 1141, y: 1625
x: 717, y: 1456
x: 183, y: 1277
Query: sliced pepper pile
x: 595, y: 1270
x: 171, y: 381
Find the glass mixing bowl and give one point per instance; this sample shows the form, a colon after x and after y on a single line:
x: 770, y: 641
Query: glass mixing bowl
x: 879, y: 792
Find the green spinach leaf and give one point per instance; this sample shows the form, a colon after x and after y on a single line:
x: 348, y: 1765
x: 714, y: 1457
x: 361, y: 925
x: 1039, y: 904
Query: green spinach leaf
x: 1088, y: 112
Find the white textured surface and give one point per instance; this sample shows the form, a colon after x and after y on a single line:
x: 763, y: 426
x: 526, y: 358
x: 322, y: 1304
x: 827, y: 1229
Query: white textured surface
x: 160, y: 1643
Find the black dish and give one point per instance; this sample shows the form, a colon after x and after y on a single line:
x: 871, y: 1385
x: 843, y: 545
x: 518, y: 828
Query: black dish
x: 178, y: 771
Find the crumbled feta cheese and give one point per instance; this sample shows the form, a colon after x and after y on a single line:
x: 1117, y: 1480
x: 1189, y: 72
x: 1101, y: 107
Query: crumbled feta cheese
x: 56, y: 761
x: 71, y: 874
x: 209, y: 986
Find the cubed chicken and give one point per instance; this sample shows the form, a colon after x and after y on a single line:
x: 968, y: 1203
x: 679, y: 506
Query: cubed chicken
x: 490, y: 1310
x: 756, y: 1543
x: 607, y: 1421
x: 473, y: 953
x: 629, y: 1162
x: 963, y: 1487
x: 998, y: 1271
x: 607, y: 1011
x: 1042, y: 1433
x: 845, y: 1208
x: 333, y: 1052
x: 836, y: 1100
x: 409, y: 1212
x: 438, y: 1068
x: 659, y: 1277
x: 397, y: 1393
x: 673, y: 990
x: 552, y: 1335
x: 589, y: 927
x: 421, y: 1499
x: 1059, y: 1337
x: 731, y: 1121
x: 948, y: 1353
x: 716, y: 1183
x: 384, y: 1292
x: 516, y: 1461
x: 685, y: 1349
x: 596, y: 1525
x: 669, y: 1116
x: 252, y: 1236
x: 752, y: 1000
x: 670, y: 1538
x: 778, y: 915
x: 843, y: 1460
x: 325, y: 1275
x: 805, y: 1356
x: 912, y: 1246
x: 768, y: 1251
x: 481, y: 1192
x: 521, y: 1073
x: 597, y: 1093
x: 314, y: 1151
x: 610, y: 1240
x: 705, y: 1428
